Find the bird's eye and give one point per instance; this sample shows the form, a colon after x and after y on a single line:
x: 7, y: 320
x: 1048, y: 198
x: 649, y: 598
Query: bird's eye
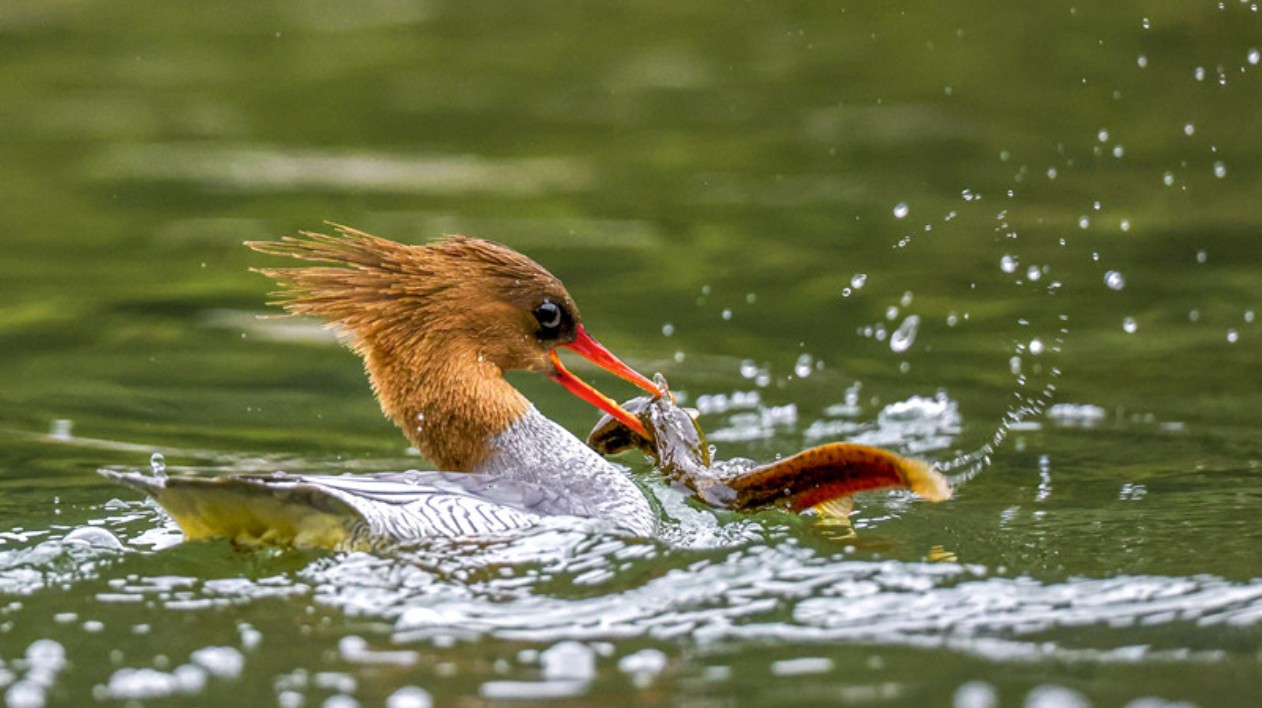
x: 550, y: 317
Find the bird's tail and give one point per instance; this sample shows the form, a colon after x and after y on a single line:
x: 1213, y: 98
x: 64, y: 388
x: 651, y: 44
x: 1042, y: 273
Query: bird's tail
x: 252, y: 510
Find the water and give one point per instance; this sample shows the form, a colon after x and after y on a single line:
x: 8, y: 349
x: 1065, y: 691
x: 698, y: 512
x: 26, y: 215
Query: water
x: 754, y: 200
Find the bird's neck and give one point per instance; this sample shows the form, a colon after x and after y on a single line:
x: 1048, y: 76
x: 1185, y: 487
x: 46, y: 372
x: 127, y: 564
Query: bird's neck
x: 450, y: 402
x: 461, y: 413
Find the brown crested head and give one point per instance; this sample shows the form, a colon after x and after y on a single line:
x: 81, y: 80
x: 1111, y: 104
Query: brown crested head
x: 437, y: 325
x: 458, y: 292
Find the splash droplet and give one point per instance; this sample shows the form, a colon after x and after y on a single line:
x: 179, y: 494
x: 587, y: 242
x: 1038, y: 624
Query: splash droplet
x: 1008, y: 264
x: 901, y: 210
x: 1129, y: 325
x: 1114, y: 280
x: 667, y: 329
x: 158, y: 464
x: 1189, y: 130
x: 1220, y: 170
x: 1254, y: 56
x: 803, y: 366
x: 1232, y: 336
x: 903, y: 337
x: 858, y: 280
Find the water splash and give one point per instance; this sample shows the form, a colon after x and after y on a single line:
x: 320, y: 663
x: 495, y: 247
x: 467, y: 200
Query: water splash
x: 904, y: 337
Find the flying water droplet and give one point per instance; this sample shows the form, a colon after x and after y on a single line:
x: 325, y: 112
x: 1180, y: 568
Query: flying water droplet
x: 1114, y: 280
x: 1189, y: 130
x: 803, y: 366
x: 1220, y: 170
x: 667, y: 329
x: 1008, y: 264
x: 749, y: 369
x: 158, y: 464
x: 1129, y: 325
x: 903, y: 337
x: 1254, y: 56
x: 727, y: 313
x: 858, y: 280
x: 61, y: 428
x: 901, y: 210
x: 1033, y: 273
x: 1232, y: 336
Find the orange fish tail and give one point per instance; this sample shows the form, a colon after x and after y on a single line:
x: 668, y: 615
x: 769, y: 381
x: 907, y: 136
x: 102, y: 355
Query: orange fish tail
x: 821, y: 474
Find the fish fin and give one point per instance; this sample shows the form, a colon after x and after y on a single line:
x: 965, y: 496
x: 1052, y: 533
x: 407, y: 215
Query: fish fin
x: 835, y: 508
x: 832, y: 471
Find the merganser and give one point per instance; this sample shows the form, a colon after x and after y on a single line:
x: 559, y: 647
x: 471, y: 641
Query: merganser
x: 437, y: 326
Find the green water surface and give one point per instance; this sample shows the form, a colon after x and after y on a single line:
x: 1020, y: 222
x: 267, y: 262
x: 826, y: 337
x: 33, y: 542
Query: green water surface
x: 1023, y: 240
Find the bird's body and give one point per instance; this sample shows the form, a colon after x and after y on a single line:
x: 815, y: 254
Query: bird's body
x: 437, y: 326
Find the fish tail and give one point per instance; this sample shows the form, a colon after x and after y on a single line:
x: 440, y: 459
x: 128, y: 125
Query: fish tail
x: 821, y: 474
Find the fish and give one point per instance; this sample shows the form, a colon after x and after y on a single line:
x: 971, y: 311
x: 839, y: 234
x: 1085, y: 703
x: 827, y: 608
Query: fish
x: 821, y: 480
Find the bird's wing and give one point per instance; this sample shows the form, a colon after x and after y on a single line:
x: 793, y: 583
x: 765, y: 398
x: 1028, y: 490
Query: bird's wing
x: 347, y: 511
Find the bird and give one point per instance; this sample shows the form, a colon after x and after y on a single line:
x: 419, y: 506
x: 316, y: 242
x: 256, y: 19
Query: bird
x: 436, y: 326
